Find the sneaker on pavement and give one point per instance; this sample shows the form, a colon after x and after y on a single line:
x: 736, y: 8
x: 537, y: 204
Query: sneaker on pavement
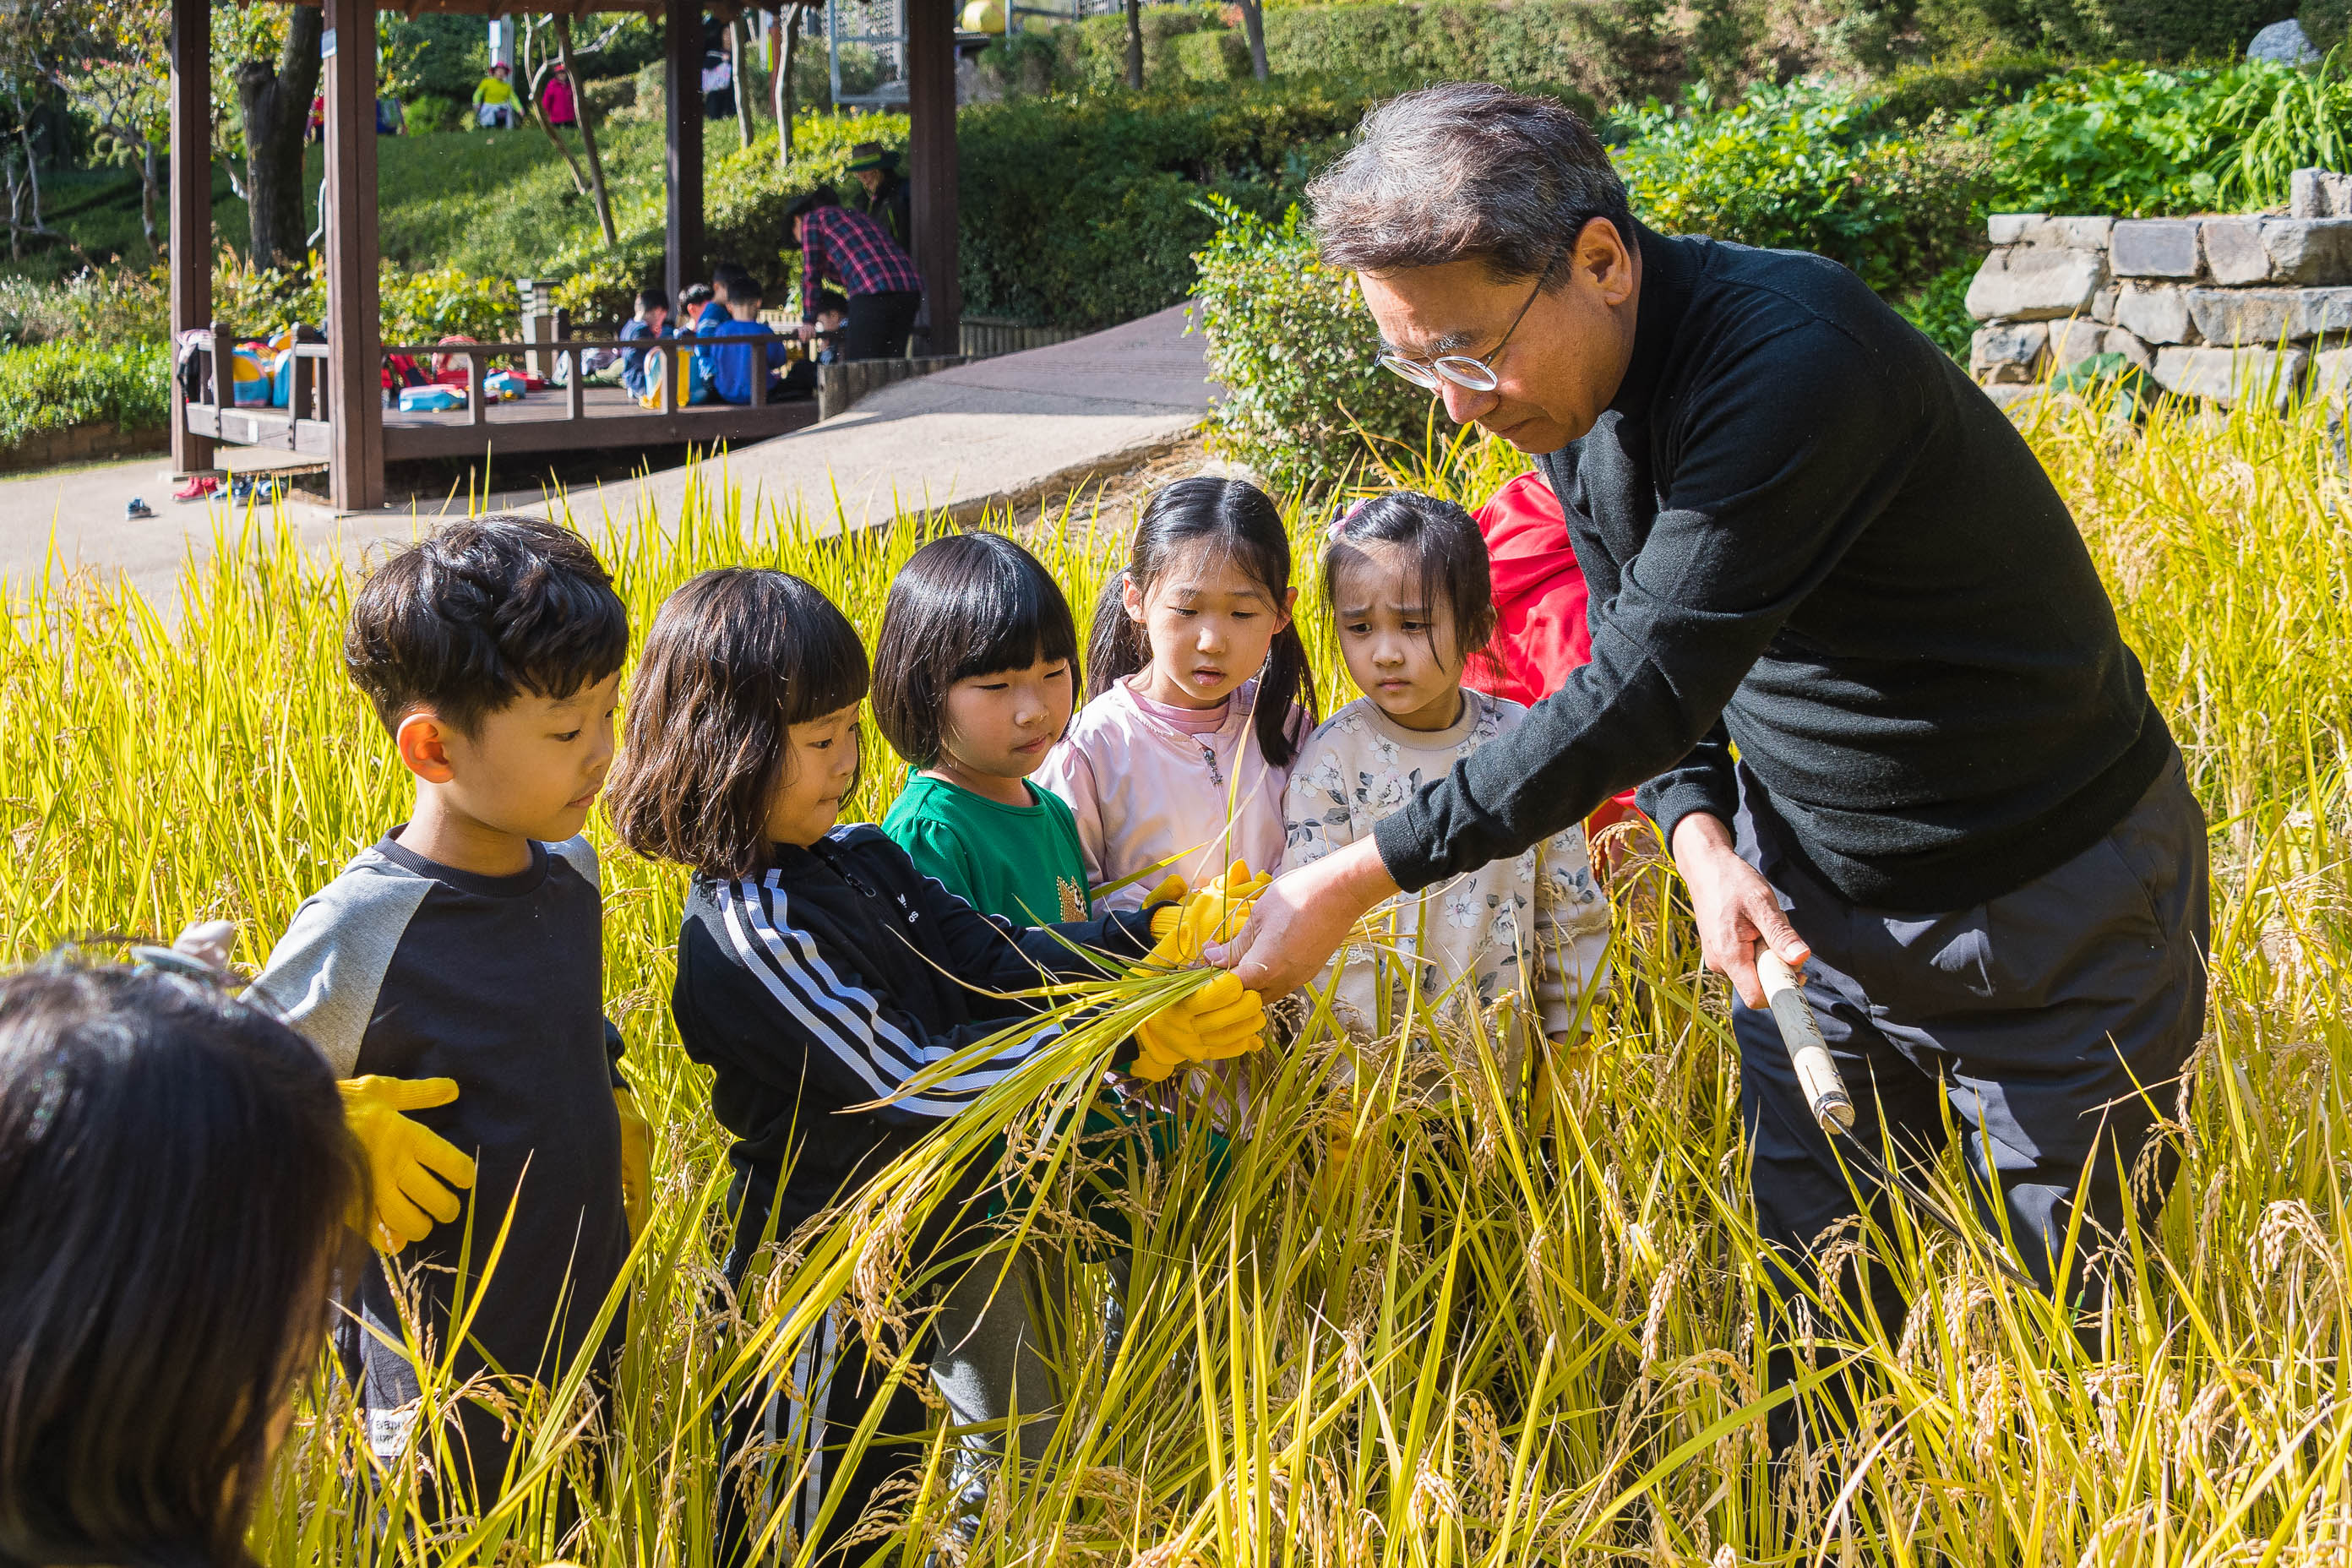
x: 138, y: 507
x: 198, y: 487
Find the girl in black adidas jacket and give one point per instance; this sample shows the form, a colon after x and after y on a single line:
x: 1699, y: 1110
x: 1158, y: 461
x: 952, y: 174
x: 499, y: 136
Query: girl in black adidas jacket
x: 818, y: 970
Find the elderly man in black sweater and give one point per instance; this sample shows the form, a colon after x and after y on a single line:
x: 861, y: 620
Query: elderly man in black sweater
x: 1847, y: 633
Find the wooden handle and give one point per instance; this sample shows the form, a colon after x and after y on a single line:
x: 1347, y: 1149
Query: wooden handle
x: 1816, y: 1072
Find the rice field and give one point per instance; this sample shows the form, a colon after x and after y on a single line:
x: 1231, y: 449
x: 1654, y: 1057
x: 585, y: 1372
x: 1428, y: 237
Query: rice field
x: 1488, y: 1327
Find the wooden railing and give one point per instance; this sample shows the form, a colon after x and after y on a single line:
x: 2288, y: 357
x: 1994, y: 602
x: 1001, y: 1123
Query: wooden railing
x: 308, y: 388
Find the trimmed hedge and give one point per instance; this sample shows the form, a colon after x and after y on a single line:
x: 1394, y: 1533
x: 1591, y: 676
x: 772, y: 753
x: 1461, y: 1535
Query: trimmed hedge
x: 1111, y: 234
x: 1291, y: 342
x: 56, y: 386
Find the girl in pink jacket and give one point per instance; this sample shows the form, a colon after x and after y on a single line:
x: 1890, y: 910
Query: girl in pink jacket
x: 1198, y: 696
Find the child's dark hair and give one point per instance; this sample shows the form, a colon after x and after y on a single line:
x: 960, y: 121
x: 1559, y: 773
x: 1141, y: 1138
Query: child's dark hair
x: 694, y: 294
x: 735, y: 659
x: 1447, y: 556
x: 734, y: 281
x: 1240, y: 522
x: 967, y: 605
x: 175, y: 1175
x: 651, y: 299
x: 480, y: 613
x: 831, y: 299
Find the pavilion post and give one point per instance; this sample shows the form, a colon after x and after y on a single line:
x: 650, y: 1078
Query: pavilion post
x: 190, y: 210
x: 682, y: 117
x: 354, y: 325
x: 931, y: 108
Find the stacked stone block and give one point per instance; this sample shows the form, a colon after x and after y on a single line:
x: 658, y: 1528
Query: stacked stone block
x: 2217, y: 308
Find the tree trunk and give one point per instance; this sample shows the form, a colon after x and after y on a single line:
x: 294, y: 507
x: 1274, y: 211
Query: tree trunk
x: 1134, y: 45
x: 275, y: 103
x: 1253, y: 28
x: 587, y: 134
x: 737, y: 56
x: 147, y: 196
x: 785, y: 106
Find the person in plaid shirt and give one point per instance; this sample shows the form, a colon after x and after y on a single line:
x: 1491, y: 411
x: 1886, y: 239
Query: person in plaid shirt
x: 856, y: 253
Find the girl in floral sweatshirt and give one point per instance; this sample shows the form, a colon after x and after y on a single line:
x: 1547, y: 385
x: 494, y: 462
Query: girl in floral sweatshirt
x: 1409, y: 586
x: 1197, y: 695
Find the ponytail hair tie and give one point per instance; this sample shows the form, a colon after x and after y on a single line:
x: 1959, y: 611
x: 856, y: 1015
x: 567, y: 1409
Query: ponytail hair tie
x: 1339, y: 523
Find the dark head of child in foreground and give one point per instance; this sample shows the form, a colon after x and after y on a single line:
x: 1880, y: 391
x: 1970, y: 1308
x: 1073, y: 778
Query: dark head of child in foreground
x: 173, y: 1181
x: 451, y: 976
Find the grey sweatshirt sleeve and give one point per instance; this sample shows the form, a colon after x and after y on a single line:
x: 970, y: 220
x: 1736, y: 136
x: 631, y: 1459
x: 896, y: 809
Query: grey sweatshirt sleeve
x: 323, y: 975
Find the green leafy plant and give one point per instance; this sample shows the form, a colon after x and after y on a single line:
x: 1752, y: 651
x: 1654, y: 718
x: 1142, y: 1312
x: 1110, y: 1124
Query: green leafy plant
x: 55, y: 386
x: 1289, y: 340
x: 1802, y: 167
x: 2134, y: 141
x: 1084, y: 210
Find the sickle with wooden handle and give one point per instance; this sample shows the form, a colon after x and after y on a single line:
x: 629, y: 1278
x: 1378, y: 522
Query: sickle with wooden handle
x: 1816, y: 1072
x: 1824, y: 1090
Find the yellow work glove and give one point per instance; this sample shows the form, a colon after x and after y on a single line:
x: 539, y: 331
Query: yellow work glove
x: 636, y: 1163
x: 407, y: 1161
x: 1221, y: 1019
x: 1215, y: 914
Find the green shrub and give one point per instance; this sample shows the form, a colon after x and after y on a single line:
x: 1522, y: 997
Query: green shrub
x: 2151, y: 29
x: 1083, y: 210
x: 1939, y: 309
x: 431, y: 114
x: 90, y: 307
x: 1091, y: 56
x: 1598, y: 51
x: 1911, y: 94
x: 2135, y: 140
x: 1221, y: 55
x: 434, y: 55
x: 1290, y: 341
x: 2325, y: 22
x: 55, y: 386
x: 423, y: 307
x: 1800, y: 167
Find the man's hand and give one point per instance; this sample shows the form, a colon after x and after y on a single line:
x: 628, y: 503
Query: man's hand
x: 1736, y: 906
x: 1300, y: 920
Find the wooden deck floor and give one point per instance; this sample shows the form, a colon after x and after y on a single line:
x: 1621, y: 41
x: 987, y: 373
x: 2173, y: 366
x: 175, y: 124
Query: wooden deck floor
x: 609, y: 417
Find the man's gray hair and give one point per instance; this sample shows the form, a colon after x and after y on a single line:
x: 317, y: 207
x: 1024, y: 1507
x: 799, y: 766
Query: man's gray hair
x: 1466, y: 170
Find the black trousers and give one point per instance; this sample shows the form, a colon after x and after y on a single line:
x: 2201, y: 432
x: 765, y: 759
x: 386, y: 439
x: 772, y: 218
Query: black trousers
x: 879, y: 324
x: 2052, y: 1021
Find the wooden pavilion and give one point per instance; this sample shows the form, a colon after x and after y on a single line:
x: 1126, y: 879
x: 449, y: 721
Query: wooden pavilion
x: 341, y: 415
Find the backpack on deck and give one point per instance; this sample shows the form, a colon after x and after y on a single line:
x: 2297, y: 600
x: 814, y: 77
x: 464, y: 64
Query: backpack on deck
x: 250, y: 371
x: 697, y: 388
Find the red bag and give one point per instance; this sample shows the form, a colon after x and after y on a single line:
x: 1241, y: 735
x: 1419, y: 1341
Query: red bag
x: 1540, y: 632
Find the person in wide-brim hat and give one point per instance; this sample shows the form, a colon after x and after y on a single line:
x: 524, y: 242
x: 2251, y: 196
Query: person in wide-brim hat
x: 887, y: 197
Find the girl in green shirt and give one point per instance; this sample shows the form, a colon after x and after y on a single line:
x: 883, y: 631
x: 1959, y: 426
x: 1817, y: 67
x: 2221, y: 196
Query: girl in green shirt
x: 975, y: 674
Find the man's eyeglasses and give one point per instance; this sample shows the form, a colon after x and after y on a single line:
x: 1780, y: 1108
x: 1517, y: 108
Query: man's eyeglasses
x: 1473, y: 375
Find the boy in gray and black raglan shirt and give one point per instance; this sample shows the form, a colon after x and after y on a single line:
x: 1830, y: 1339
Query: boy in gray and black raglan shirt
x: 453, y: 974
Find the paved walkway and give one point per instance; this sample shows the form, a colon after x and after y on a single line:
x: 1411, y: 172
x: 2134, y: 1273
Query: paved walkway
x: 999, y: 431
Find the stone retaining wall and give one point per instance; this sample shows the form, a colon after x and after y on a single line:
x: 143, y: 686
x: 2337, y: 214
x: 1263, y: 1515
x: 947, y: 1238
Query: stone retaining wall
x: 80, y: 444
x: 2217, y: 307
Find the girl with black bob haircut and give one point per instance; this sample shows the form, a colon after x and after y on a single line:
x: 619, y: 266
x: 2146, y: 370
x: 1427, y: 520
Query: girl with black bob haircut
x: 1198, y: 695
x: 975, y: 675
x: 175, y: 1175
x: 818, y: 973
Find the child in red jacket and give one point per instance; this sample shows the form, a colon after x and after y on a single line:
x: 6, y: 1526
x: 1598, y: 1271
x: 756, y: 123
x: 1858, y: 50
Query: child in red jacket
x: 1540, y: 632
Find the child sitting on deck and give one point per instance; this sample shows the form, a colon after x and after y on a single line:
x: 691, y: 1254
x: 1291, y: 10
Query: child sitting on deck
x: 652, y: 320
x: 733, y: 365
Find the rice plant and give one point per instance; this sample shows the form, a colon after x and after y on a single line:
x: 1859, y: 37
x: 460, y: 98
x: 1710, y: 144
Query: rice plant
x: 1393, y: 1322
